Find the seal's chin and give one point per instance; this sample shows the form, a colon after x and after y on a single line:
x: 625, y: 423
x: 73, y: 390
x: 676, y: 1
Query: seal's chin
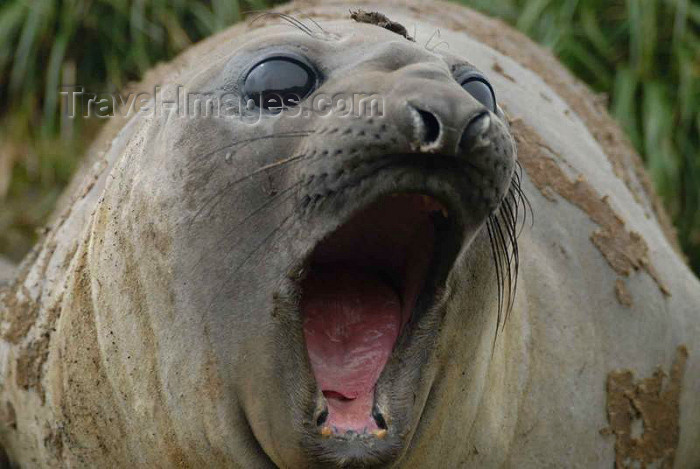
x: 367, y: 283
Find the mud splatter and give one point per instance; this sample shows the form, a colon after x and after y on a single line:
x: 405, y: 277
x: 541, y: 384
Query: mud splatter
x: 376, y: 18
x: 18, y: 313
x: 498, y: 69
x: 8, y: 417
x: 649, y: 403
x: 30, y: 364
x: 622, y: 294
x: 626, y: 251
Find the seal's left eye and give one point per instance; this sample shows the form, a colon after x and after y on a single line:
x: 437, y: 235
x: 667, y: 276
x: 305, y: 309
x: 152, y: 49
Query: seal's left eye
x: 279, y: 82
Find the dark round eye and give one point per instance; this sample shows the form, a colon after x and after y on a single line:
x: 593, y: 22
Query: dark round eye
x: 279, y: 82
x: 481, y: 90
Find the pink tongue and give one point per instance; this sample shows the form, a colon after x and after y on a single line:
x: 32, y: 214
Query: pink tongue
x: 351, y: 321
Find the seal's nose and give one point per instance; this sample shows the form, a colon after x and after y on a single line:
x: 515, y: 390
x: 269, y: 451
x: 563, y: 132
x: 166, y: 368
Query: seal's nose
x: 431, y: 109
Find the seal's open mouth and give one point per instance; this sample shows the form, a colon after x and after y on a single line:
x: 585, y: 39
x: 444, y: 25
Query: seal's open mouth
x: 366, y: 283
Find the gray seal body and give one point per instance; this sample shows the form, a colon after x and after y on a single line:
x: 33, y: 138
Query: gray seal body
x: 157, y: 324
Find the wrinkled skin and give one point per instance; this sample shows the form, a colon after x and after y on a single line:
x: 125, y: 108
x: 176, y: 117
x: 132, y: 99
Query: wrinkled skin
x: 166, y: 330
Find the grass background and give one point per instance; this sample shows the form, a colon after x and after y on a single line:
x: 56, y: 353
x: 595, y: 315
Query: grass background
x: 643, y: 56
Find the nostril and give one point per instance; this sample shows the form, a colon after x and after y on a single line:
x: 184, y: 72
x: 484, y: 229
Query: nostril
x: 430, y: 130
x: 473, y: 133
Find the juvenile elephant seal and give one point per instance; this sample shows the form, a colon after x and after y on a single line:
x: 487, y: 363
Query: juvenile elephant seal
x: 276, y: 288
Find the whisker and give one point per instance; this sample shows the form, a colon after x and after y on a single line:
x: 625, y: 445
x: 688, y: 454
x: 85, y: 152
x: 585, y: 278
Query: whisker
x: 504, y: 232
x: 256, y: 211
x: 503, y: 246
x: 289, y: 19
x: 496, y: 262
x: 517, y: 184
x: 294, y: 134
x: 248, y: 257
x: 217, y: 197
x: 316, y: 23
x: 513, y: 256
x: 506, y: 212
x: 266, y: 204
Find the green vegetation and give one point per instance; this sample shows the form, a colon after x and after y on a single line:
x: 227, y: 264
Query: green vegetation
x: 643, y: 54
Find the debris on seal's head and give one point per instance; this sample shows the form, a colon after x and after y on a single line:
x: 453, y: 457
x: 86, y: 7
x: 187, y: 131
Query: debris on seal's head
x: 374, y: 17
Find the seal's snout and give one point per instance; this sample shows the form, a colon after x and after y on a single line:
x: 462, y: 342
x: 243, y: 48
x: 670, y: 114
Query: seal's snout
x: 436, y: 115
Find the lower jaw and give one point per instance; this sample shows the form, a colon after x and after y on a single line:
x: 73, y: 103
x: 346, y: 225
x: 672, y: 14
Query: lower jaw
x: 351, y: 415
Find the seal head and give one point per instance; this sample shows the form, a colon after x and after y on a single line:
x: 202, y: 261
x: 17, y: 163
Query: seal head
x: 319, y: 249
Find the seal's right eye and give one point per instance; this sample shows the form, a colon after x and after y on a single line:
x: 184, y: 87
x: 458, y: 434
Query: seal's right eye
x: 479, y: 87
x: 279, y: 82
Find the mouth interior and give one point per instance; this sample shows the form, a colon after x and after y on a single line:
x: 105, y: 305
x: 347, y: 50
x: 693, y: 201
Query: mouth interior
x: 360, y: 293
